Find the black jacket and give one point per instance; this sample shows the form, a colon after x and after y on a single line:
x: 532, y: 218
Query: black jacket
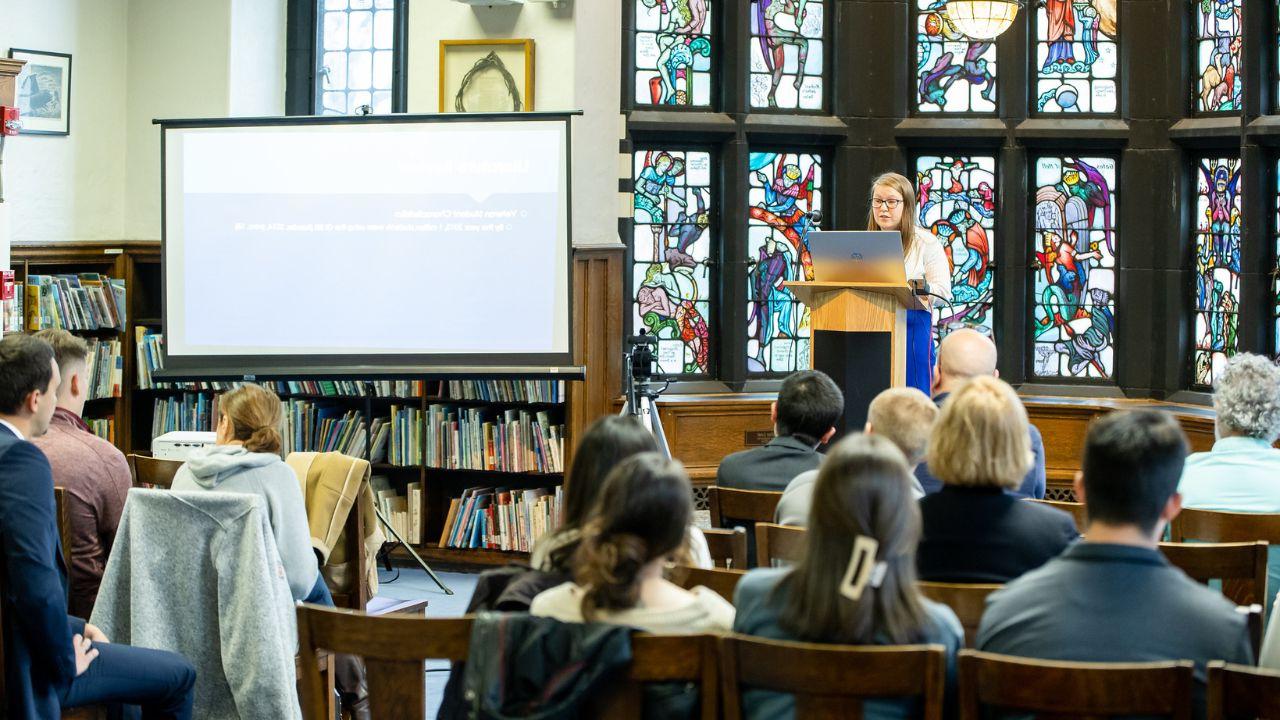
x: 769, y: 467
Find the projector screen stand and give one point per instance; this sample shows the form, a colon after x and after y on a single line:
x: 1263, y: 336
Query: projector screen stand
x: 422, y: 563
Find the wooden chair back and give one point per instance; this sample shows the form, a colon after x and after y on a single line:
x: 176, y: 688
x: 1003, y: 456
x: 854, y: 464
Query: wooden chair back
x: 778, y: 542
x: 831, y: 681
x: 1225, y: 527
x: 1073, y: 689
x: 661, y: 659
x: 152, y: 472
x: 1241, y: 566
x: 1237, y: 692
x: 721, y: 580
x: 1075, y: 509
x: 64, y: 522
x: 966, y: 600
x: 750, y: 505
x: 728, y: 547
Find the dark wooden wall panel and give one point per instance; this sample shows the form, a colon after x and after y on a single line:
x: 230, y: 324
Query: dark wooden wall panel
x: 598, y: 279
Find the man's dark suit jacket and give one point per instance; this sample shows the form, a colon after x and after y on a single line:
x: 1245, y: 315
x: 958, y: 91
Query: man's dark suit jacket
x: 985, y: 535
x: 769, y: 467
x: 39, y: 660
x: 1033, y: 484
x: 1114, y: 603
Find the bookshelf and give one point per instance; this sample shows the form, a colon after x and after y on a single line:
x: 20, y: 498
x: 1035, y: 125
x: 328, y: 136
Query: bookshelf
x: 138, y: 263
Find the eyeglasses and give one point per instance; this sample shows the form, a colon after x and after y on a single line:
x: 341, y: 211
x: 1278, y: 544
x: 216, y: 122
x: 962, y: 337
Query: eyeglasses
x: 890, y: 204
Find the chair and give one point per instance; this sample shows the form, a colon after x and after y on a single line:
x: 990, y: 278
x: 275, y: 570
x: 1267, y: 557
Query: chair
x: 1241, y: 567
x: 1225, y: 527
x: 1073, y: 689
x: 1237, y: 692
x: 831, y: 681
x: 64, y: 523
x: 728, y: 547
x: 721, y: 580
x: 152, y: 472
x: 778, y: 542
x: 749, y: 505
x: 1075, y: 509
x: 966, y: 600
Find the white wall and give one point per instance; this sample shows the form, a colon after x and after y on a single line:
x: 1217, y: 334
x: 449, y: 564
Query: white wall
x: 69, y: 187
x: 257, y: 57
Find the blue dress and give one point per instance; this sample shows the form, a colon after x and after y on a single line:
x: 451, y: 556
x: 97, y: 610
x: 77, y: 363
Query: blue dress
x: 920, y: 350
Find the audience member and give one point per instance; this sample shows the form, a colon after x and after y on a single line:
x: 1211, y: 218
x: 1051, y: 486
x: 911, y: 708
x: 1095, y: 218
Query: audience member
x: 93, y: 472
x: 966, y: 354
x: 638, y: 523
x: 53, y: 660
x: 975, y: 531
x: 864, y: 514
x: 902, y: 415
x: 1242, y: 471
x: 804, y: 417
x: 1113, y: 597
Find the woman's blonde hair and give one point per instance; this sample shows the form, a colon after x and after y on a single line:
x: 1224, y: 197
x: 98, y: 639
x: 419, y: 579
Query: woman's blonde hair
x: 980, y: 439
x: 254, y: 413
x: 903, y: 186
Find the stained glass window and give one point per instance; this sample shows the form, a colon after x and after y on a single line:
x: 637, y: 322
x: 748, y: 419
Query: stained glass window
x: 673, y: 52
x: 787, y: 53
x: 1217, y: 83
x: 1074, y: 283
x: 357, y: 44
x: 953, y: 75
x: 1076, y: 56
x: 958, y: 205
x: 1217, y: 248
x: 1275, y: 273
x: 785, y: 190
x: 671, y: 249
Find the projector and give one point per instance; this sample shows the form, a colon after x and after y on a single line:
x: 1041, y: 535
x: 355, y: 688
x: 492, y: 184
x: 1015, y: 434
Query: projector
x: 179, y: 445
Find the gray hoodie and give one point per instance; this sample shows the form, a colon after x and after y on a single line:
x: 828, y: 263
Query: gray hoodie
x: 231, y: 468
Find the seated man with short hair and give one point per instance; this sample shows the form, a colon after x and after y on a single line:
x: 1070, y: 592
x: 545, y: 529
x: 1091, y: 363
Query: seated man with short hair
x: 903, y: 415
x: 1113, y: 597
x: 804, y: 417
x: 966, y: 354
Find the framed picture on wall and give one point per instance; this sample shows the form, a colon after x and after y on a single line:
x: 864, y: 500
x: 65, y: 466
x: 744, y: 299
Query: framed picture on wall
x: 44, y: 92
x: 486, y: 75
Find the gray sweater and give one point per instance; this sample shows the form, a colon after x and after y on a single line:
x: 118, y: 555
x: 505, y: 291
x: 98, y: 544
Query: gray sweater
x: 231, y: 468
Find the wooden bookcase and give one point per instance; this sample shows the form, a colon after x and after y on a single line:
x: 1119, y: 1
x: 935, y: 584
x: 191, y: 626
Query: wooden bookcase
x: 138, y: 263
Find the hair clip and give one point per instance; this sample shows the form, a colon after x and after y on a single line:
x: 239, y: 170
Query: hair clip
x: 863, y: 569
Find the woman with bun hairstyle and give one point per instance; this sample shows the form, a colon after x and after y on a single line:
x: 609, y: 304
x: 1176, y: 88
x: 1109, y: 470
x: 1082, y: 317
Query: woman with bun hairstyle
x: 639, y: 521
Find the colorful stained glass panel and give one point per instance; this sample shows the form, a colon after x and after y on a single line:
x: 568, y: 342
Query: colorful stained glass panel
x: 1217, y: 253
x: 1074, y: 283
x: 787, y: 53
x: 785, y: 189
x: 1076, y: 56
x: 1217, y: 83
x: 673, y: 63
x: 958, y: 205
x: 953, y: 75
x: 672, y: 237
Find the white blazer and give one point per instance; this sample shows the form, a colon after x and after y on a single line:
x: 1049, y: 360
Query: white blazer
x: 926, y: 260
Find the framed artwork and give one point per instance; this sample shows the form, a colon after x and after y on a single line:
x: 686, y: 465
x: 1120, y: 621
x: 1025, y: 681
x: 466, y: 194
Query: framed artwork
x: 44, y: 92
x: 486, y: 75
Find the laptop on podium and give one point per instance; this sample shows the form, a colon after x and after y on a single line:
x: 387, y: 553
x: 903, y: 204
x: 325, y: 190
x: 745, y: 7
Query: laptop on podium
x: 847, y: 256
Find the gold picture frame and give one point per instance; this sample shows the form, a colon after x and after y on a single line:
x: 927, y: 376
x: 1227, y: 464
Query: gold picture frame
x: 490, y: 75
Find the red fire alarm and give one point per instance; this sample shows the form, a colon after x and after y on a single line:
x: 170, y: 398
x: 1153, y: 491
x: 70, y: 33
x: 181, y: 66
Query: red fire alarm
x: 6, y: 284
x: 10, y: 122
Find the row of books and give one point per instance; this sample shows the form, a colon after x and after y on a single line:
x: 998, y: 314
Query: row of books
x: 88, y: 301
x: 501, y: 518
x: 105, y: 368
x: 486, y: 439
x: 351, y: 388
x: 404, y: 511
x: 11, y: 319
x: 149, y: 346
x: 406, y: 436
x: 184, y: 412
x: 104, y: 428
x: 309, y: 427
x: 528, y: 391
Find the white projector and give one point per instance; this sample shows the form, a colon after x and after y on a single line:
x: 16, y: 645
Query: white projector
x: 178, y: 445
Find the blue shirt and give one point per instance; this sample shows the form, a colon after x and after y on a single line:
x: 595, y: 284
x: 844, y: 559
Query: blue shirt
x: 758, y: 614
x: 1240, y: 474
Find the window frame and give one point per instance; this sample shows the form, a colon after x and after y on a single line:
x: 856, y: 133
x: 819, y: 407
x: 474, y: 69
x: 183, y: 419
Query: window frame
x: 303, y: 52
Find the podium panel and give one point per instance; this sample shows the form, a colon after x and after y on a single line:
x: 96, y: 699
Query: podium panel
x: 860, y: 363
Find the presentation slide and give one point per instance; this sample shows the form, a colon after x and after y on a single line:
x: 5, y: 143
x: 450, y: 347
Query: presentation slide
x: 367, y: 239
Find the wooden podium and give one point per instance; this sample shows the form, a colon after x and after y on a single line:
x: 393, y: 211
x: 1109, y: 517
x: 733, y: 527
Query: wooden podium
x: 859, y: 338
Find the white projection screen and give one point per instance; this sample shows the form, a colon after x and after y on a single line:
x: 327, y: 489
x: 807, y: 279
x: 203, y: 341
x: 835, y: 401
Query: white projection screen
x: 338, y: 246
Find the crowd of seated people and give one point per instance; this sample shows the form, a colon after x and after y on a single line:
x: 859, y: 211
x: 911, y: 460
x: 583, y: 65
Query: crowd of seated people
x: 932, y: 489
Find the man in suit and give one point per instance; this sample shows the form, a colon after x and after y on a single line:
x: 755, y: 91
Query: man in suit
x: 966, y: 354
x: 804, y: 417
x: 1113, y: 597
x: 53, y: 660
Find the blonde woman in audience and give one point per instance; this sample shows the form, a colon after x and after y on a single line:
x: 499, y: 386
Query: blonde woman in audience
x: 638, y: 523
x: 975, y: 531
x: 863, y: 515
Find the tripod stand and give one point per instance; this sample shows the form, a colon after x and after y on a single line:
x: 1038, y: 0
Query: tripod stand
x: 641, y: 395
x: 385, y: 554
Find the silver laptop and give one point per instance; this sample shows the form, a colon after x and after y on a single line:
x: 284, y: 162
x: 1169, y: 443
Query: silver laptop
x: 857, y: 256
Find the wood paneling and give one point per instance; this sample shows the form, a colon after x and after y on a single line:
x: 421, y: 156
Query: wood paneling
x: 597, y: 327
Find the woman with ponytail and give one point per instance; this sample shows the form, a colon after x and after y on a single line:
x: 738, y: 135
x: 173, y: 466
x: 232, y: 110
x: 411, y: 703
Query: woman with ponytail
x: 855, y: 583
x: 639, y: 522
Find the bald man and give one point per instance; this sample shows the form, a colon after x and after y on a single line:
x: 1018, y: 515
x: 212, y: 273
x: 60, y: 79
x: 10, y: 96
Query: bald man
x: 967, y: 354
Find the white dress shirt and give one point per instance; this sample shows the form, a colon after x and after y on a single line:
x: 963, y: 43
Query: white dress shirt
x: 926, y: 260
